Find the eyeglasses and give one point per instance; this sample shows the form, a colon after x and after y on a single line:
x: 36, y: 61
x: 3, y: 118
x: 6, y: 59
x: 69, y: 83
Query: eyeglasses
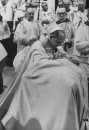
x: 61, y: 14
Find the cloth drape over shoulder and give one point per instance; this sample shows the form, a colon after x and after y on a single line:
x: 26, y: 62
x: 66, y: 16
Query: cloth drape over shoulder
x: 52, y: 92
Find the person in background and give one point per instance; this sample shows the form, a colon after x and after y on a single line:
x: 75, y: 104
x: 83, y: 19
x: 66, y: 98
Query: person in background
x: 82, y: 12
x: 64, y: 22
x: 3, y: 55
x: 69, y: 11
x: 79, y: 16
x: 75, y: 4
x: 61, y: 4
x: 7, y: 13
x: 46, y: 12
x: 25, y: 29
x: 45, y: 24
x: 19, y: 11
x: 81, y: 44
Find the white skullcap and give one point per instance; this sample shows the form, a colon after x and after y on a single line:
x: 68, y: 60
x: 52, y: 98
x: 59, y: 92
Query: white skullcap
x: 56, y: 28
x: 61, y: 10
x: 53, y: 27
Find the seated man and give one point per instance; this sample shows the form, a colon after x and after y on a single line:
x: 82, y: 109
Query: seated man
x: 25, y: 29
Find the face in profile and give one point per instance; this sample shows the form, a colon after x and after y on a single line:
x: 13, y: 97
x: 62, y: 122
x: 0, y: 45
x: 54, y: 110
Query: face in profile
x: 57, y: 38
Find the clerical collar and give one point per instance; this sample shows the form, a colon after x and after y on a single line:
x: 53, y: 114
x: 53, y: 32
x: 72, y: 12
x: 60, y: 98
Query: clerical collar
x: 87, y: 23
x: 59, y: 22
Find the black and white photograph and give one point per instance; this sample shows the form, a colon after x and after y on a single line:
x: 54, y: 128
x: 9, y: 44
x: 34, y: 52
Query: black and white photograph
x: 44, y: 65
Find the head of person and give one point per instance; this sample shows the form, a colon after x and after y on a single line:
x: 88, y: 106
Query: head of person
x: 3, y: 2
x: 45, y: 23
x: 29, y: 14
x: 81, y: 5
x: 75, y: 3
x: 44, y: 6
x: 56, y: 36
x: 61, y: 14
x: 61, y: 4
x: 67, y: 5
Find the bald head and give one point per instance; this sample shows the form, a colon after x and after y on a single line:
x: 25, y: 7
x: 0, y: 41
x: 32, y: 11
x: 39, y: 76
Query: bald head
x: 30, y: 14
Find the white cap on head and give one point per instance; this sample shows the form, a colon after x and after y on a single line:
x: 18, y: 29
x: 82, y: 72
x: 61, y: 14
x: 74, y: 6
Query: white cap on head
x: 54, y: 27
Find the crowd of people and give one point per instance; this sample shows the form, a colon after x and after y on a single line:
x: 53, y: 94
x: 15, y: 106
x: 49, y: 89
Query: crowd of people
x: 50, y: 54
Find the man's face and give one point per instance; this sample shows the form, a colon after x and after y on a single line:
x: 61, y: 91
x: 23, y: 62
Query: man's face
x: 67, y: 6
x: 3, y: 2
x: 57, y: 38
x: 61, y: 4
x: 30, y: 14
x: 61, y: 16
x: 45, y: 7
x: 81, y: 6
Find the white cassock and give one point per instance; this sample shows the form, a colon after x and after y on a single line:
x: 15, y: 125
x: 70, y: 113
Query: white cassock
x: 83, y: 15
x: 7, y: 11
x: 20, y: 10
x: 81, y: 42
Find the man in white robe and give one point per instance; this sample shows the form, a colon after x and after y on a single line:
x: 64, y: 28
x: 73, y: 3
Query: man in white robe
x: 25, y: 29
x: 81, y: 44
x: 80, y: 15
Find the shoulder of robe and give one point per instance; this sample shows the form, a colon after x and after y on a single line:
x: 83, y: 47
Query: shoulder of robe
x: 36, y: 21
x: 22, y: 23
